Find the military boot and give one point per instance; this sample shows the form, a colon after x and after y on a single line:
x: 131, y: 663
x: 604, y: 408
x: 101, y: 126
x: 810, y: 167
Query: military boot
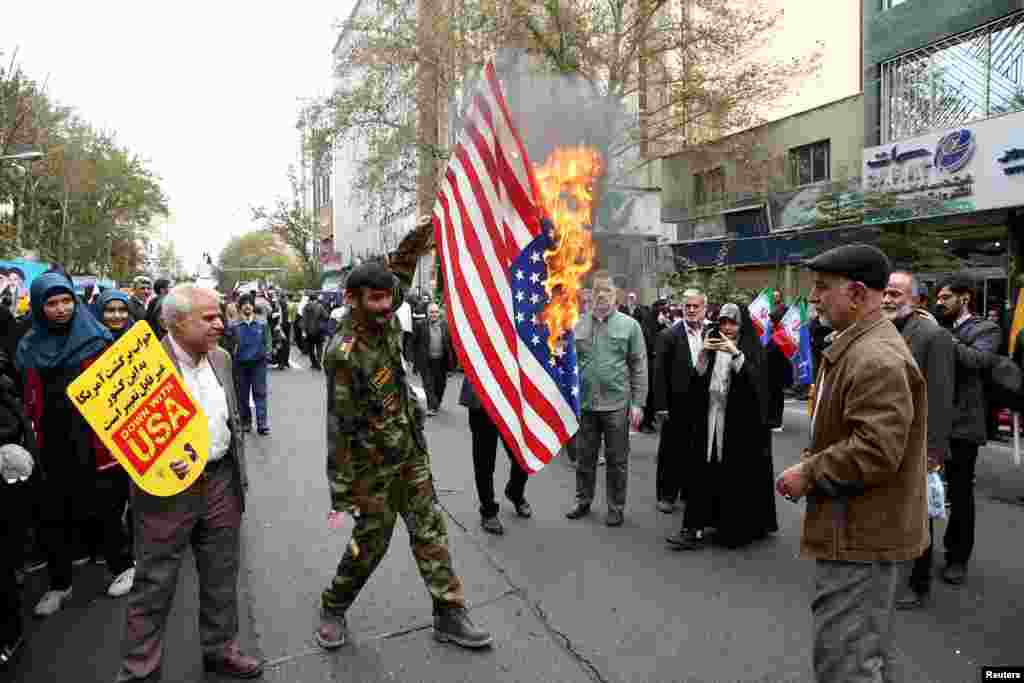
x: 453, y: 625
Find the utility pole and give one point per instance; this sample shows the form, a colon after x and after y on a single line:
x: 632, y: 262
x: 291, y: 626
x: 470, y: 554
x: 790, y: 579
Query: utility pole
x: 427, y: 92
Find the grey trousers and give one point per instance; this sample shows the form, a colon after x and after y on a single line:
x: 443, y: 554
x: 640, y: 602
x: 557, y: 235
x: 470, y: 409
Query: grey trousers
x: 206, y: 516
x: 852, y: 609
x: 611, y: 426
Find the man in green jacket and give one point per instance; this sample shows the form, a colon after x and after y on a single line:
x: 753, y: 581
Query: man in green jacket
x: 612, y: 361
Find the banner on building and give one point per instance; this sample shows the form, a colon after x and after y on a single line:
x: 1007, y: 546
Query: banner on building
x: 975, y: 167
x: 137, y: 404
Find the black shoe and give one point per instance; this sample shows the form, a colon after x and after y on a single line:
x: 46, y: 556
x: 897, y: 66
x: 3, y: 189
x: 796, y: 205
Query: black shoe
x: 955, y: 573
x: 910, y: 599
x: 453, y: 625
x: 492, y: 525
x: 523, y: 508
x: 614, y: 518
x: 580, y: 510
x: 246, y: 428
x: 263, y: 431
x: 687, y: 539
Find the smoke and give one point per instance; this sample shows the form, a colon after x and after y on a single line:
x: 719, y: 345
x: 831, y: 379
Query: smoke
x: 554, y: 110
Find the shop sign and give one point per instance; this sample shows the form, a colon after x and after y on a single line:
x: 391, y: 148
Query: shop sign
x: 966, y: 169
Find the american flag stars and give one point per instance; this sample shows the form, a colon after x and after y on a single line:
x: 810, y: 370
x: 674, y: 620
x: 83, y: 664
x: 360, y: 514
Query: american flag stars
x: 529, y: 273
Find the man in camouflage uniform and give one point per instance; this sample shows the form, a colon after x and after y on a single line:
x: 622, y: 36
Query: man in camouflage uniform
x: 377, y: 463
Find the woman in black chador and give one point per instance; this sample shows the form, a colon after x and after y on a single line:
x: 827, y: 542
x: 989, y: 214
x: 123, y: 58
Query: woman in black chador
x: 733, y: 479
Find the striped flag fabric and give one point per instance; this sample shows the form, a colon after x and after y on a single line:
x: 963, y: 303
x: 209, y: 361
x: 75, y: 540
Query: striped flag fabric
x: 491, y: 236
x: 787, y: 335
x: 760, y: 314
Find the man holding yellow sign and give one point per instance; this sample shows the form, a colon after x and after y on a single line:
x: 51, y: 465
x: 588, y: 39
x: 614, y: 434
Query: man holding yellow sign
x: 178, y: 434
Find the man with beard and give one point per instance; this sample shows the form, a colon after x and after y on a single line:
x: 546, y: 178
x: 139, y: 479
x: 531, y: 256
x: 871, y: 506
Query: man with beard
x: 932, y: 348
x: 613, y: 388
x: 976, y: 343
x: 864, y: 470
x: 142, y: 290
x: 377, y: 463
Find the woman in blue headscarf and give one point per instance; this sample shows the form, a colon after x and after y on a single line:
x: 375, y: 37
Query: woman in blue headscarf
x: 65, y: 338
x: 114, y: 312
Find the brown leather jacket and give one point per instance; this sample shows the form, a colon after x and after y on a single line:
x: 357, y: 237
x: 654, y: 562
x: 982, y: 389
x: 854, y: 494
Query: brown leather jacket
x: 867, y: 460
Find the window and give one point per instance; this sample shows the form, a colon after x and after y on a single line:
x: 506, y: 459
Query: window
x: 889, y: 4
x: 708, y: 186
x: 960, y: 79
x: 810, y: 163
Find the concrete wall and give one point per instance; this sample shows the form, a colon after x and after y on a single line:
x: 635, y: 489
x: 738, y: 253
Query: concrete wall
x: 909, y: 26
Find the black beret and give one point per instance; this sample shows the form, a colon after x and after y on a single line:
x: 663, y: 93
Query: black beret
x: 858, y: 262
x: 373, y: 275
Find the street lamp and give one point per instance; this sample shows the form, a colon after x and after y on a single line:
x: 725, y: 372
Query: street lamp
x: 26, y: 155
x: 32, y: 155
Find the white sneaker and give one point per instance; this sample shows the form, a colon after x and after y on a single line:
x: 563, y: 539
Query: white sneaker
x: 601, y: 460
x: 122, y: 585
x: 51, y: 602
x: 777, y: 429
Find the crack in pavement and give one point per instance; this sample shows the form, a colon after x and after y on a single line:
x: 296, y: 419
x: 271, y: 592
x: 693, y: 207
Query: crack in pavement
x: 387, y: 635
x: 559, y: 636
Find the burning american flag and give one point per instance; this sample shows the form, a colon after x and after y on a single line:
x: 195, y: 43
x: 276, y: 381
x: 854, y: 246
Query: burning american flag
x: 511, y: 275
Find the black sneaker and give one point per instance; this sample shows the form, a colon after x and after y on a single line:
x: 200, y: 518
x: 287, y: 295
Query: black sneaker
x: 580, y: 510
x: 453, y: 625
x: 955, y: 573
x: 687, y: 539
x: 492, y: 525
x: 523, y: 508
x: 910, y: 599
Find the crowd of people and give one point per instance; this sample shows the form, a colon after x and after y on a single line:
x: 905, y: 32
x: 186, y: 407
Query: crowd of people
x: 899, y: 402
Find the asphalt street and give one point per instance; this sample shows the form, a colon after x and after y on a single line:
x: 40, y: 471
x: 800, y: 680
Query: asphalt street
x: 566, y: 601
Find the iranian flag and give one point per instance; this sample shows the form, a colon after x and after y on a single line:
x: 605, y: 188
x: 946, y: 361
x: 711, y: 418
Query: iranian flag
x: 787, y: 334
x: 760, y: 314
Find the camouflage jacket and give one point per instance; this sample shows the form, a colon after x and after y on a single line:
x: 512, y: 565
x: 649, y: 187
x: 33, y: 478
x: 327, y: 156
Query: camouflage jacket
x: 373, y: 420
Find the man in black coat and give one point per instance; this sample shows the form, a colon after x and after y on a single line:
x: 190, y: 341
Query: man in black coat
x: 932, y: 348
x: 674, y: 372
x: 976, y: 343
x: 160, y: 288
x: 434, y: 356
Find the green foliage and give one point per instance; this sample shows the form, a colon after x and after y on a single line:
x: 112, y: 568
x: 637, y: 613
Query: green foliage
x: 256, y: 249
x: 296, y: 229
x: 88, y: 203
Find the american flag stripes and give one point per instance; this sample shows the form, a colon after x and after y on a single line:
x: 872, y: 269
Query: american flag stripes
x: 491, y: 239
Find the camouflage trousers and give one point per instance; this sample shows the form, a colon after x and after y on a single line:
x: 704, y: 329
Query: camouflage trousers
x: 382, y: 494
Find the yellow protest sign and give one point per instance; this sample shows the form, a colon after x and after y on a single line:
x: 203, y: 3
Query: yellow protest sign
x: 140, y: 408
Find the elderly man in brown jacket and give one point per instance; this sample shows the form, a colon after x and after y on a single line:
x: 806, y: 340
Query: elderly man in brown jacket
x: 864, y: 472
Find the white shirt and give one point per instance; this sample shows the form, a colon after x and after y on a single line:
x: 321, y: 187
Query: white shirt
x: 205, y: 388
x: 695, y: 339
x: 404, y: 314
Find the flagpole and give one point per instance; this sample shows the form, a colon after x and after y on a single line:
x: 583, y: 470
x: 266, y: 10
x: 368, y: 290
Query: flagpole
x: 1016, y: 438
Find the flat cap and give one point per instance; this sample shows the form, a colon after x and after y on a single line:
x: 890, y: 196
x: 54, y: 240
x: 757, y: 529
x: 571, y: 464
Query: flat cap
x: 858, y: 262
x: 373, y: 275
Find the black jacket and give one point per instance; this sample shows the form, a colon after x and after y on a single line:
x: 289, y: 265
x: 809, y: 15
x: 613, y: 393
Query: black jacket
x: 977, y: 343
x: 673, y: 370
x: 932, y: 348
x: 421, y: 345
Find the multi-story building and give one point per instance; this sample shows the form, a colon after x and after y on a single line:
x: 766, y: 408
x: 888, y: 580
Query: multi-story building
x: 752, y: 198
x: 928, y: 163
x: 944, y: 126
